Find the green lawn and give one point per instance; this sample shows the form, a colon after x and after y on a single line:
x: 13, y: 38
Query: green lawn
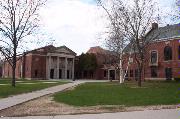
x: 128, y: 94
x: 24, y: 86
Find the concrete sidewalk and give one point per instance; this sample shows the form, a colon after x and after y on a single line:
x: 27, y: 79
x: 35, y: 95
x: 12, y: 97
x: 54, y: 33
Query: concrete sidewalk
x: 18, y: 99
x: 148, y: 114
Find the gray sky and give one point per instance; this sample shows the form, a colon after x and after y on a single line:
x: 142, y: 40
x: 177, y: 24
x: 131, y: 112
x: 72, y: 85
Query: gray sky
x: 79, y: 24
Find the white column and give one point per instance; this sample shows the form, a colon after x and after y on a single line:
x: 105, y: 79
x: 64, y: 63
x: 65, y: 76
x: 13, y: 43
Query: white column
x: 65, y: 72
x: 73, y: 68
x: 57, y: 75
x: 49, y: 67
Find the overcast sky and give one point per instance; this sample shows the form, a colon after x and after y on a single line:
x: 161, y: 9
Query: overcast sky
x: 78, y: 24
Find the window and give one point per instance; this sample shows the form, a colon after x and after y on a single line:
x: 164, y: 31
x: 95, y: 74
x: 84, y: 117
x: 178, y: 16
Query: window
x: 36, y: 73
x: 154, y: 57
x: 154, y: 72
x: 131, y: 73
x: 167, y: 53
x: 130, y: 60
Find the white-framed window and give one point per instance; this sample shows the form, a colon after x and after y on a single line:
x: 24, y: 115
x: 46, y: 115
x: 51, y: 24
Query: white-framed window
x: 154, y: 57
x: 130, y: 60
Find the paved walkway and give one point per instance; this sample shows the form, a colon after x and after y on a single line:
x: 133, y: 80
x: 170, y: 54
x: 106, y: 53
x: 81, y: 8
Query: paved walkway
x: 148, y: 114
x: 18, y: 99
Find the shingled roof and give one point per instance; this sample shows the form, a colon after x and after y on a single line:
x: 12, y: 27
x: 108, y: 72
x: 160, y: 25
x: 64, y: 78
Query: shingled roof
x: 160, y: 34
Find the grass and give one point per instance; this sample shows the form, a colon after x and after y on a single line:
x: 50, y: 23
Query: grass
x: 128, y: 94
x: 7, y: 90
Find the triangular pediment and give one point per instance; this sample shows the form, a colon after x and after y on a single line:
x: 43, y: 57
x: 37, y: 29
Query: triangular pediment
x: 64, y: 50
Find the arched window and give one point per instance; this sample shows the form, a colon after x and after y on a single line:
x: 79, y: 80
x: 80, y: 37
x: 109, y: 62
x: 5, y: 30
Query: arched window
x: 167, y: 53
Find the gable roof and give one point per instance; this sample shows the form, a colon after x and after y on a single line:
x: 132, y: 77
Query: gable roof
x: 44, y: 49
x: 50, y: 49
x: 160, y: 34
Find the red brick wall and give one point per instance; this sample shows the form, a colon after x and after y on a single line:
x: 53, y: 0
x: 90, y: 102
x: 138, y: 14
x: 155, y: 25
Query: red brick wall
x: 39, y: 64
x: 159, y: 46
x: 18, y: 68
x: 7, y: 70
x: 29, y: 63
x: 100, y: 74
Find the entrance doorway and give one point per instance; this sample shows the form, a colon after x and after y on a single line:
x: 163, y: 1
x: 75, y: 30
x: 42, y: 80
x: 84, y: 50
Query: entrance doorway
x: 168, y: 73
x: 67, y: 74
x: 52, y: 74
x: 60, y: 74
x: 112, y: 74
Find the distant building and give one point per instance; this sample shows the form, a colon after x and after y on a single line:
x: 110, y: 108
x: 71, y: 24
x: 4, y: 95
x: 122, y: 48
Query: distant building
x: 44, y: 63
x: 106, y: 65
x: 162, y: 57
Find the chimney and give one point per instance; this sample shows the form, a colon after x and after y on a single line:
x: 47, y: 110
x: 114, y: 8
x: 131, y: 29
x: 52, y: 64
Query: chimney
x: 154, y: 25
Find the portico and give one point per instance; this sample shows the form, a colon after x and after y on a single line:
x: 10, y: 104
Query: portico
x: 60, y: 67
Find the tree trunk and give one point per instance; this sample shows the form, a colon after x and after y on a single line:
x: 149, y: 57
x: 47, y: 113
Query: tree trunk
x: 13, y: 76
x: 14, y: 65
x: 140, y: 77
x: 14, y: 70
x: 121, y: 77
x: 140, y: 73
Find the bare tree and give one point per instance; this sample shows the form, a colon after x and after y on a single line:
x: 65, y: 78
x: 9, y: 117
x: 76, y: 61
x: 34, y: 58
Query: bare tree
x: 115, y: 41
x: 18, y: 19
x: 134, y: 19
x: 176, y: 16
